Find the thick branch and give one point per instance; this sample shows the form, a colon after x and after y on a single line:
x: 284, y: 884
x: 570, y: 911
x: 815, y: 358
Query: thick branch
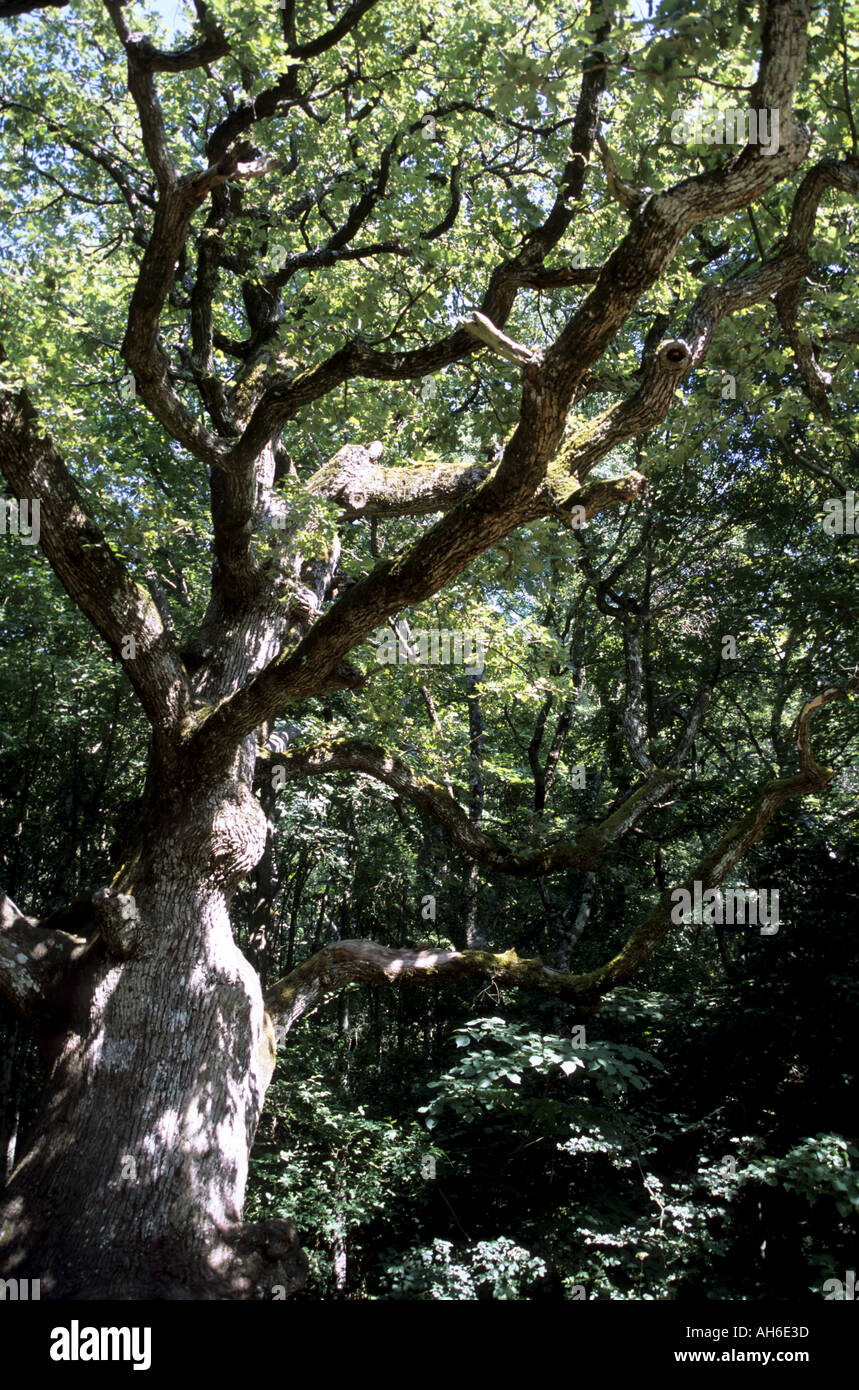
x: 142, y: 88
x: 152, y: 59
x: 318, y: 662
x: 585, y: 852
x: 516, y: 491
x: 829, y: 173
x: 345, y: 963
x: 362, y: 487
x: 332, y: 36
x: 118, y: 607
x: 140, y: 347
x: 356, y: 481
x: 665, y: 218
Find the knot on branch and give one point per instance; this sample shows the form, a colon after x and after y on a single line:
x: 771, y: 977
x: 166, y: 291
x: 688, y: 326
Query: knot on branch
x: 346, y: 477
x: 239, y: 828
x: 118, y: 922
x: 672, y: 357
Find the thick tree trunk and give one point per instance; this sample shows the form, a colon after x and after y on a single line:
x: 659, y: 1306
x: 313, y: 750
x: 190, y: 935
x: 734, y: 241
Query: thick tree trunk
x: 132, y: 1182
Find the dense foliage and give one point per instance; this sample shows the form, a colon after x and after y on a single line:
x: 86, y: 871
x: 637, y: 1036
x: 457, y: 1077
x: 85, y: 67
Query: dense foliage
x: 692, y: 1138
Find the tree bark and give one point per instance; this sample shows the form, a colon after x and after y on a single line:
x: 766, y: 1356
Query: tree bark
x: 159, y: 1054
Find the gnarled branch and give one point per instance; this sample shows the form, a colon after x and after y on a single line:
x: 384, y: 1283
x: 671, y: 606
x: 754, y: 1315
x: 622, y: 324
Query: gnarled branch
x: 119, y: 608
x: 366, y: 962
x: 359, y: 755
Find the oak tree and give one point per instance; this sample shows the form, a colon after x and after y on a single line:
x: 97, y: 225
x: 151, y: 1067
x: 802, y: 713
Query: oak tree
x: 357, y: 295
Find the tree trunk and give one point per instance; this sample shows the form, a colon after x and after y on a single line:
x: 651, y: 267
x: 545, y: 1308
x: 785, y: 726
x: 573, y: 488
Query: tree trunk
x: 159, y: 1055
